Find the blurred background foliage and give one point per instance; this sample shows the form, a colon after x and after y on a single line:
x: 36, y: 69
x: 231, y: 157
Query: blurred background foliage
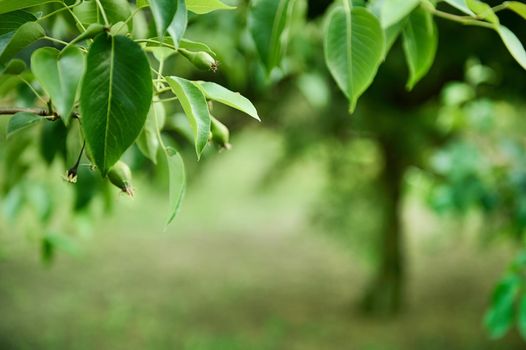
x: 415, y: 205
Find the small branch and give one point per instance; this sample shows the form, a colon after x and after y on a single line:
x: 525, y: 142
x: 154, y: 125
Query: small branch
x: 36, y: 111
x: 155, y: 42
x: 500, y: 7
x: 459, y: 19
x: 14, y: 110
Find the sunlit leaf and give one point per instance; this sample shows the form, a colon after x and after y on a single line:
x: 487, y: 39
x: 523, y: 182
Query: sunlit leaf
x: 205, y: 6
x: 235, y: 100
x: 482, y: 10
x: 513, y: 44
x: 393, y: 11
x: 195, y: 107
x: 461, y: 6
x: 517, y: 7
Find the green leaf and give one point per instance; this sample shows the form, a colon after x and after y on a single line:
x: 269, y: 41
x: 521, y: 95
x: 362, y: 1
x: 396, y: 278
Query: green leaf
x: 148, y: 141
x: 513, y: 44
x: 354, y: 45
x: 521, y: 319
x: 393, y: 11
x: 53, y: 142
x: 391, y: 33
x: 14, y: 67
x: 142, y: 3
x: 177, y: 180
x: 115, y: 97
x: 517, y: 7
x: 59, y: 75
x: 195, y: 107
x: 163, y: 12
x: 12, y: 5
x: 21, y: 121
x: 483, y: 11
x: 420, y: 44
x: 116, y: 10
x: 196, y: 46
x: 10, y: 22
x: 267, y: 21
x: 461, y: 6
x: 178, y: 25
x: 11, y: 44
x: 204, y: 6
x: 500, y: 316
x: 227, y: 97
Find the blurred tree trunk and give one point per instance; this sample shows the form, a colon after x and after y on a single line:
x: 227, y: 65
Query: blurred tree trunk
x: 385, y: 294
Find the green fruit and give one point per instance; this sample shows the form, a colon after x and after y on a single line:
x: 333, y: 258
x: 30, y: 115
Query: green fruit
x: 201, y: 59
x: 220, y: 134
x: 120, y: 175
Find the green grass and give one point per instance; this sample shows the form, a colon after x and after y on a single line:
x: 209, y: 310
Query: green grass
x: 241, y: 269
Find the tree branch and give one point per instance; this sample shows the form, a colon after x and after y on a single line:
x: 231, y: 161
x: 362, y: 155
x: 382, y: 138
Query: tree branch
x: 14, y: 110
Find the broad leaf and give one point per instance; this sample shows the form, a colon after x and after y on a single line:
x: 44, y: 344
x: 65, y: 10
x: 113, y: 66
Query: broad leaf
x: 12, y: 5
x: 148, y: 141
x: 59, y: 75
x: 11, y: 43
x: 53, y: 142
x: 116, y: 10
x: 177, y: 180
x: 521, y: 319
x: 115, y: 97
x: 21, y: 121
x: 163, y: 12
x: 391, y: 34
x: 14, y: 67
x: 517, y: 7
x: 235, y: 100
x: 420, y: 44
x: 10, y: 22
x: 500, y: 316
x: 354, y: 44
x: 461, y: 6
x: 205, y: 6
x: 513, y: 44
x: 393, y: 11
x: 267, y: 21
x: 142, y: 3
x: 195, y: 107
x: 196, y: 46
x: 483, y: 11
x: 178, y: 25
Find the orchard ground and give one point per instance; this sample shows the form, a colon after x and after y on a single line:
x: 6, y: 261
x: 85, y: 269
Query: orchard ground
x: 242, y: 268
